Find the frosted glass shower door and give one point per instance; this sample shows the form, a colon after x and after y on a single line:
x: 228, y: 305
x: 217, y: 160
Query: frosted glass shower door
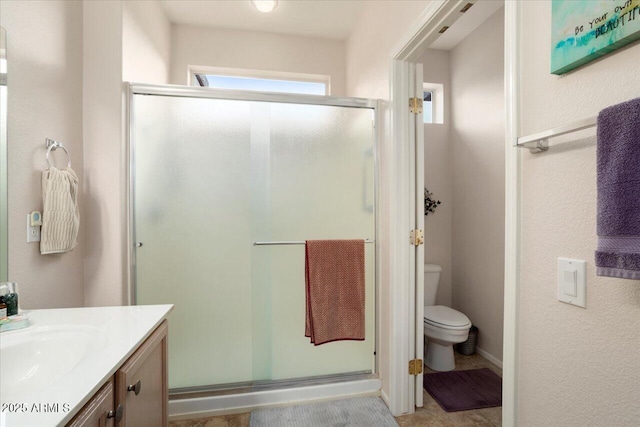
x: 211, y: 177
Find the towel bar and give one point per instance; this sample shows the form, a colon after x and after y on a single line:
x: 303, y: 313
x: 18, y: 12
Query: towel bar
x: 292, y: 242
x: 538, y: 142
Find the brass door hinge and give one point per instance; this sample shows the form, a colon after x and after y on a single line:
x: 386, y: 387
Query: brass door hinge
x: 416, y: 237
x: 415, y: 105
x: 415, y: 367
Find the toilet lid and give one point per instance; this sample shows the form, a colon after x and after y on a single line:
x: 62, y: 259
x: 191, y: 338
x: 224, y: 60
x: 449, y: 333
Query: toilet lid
x: 439, y: 314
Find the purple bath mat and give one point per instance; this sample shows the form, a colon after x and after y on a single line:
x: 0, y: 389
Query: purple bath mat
x: 464, y: 390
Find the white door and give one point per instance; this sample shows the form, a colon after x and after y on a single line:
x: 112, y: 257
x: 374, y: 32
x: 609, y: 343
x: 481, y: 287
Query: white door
x: 406, y: 192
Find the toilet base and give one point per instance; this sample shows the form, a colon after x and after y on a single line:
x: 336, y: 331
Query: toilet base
x: 440, y: 357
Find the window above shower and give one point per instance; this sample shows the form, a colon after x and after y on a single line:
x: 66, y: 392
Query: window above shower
x: 260, y: 81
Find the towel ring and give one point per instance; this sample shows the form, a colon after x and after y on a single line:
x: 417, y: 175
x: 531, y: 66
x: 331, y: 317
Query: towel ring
x: 52, y: 146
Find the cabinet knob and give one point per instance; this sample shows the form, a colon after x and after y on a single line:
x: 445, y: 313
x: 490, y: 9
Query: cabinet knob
x: 139, y: 244
x: 135, y: 387
x: 117, y: 414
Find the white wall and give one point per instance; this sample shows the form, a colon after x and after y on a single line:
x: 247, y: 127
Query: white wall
x: 217, y: 47
x: 438, y: 175
x: 103, y: 129
x: 477, y: 139
x: 576, y: 367
x: 45, y: 101
x: 369, y: 47
x: 146, y: 42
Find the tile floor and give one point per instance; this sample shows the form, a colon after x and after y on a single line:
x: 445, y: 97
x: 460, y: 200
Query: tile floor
x: 433, y: 415
x: 430, y: 415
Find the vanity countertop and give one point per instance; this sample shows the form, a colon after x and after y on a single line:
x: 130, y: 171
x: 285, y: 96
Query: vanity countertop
x: 106, y: 336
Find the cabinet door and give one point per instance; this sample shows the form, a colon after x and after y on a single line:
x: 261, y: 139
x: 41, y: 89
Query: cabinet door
x: 99, y: 412
x: 142, y: 385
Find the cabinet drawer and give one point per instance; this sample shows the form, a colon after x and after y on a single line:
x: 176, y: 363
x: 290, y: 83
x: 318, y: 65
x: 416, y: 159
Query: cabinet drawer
x: 95, y: 413
x: 142, y: 384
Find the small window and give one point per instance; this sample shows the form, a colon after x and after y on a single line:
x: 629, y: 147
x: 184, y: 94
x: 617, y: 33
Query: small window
x: 427, y: 107
x: 262, y: 81
x: 433, y: 103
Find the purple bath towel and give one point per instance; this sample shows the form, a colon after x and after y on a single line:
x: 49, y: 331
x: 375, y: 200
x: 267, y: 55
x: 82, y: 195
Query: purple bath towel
x: 618, y: 253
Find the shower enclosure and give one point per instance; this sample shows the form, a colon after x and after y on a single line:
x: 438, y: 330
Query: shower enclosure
x: 225, y: 187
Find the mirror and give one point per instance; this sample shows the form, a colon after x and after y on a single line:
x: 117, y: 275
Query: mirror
x: 4, y: 241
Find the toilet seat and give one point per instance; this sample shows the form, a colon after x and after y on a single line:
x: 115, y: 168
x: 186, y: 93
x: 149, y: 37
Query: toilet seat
x: 443, y: 317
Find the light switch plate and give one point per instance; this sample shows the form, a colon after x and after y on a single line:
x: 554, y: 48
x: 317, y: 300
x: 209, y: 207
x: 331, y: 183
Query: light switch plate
x: 572, y: 281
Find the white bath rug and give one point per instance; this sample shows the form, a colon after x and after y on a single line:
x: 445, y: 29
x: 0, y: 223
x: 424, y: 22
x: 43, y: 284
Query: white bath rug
x: 354, y: 412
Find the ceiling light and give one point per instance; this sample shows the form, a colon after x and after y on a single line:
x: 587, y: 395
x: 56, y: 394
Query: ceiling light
x: 265, y: 6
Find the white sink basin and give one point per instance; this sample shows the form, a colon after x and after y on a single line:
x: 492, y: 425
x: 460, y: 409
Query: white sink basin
x: 38, y: 356
x: 65, y: 356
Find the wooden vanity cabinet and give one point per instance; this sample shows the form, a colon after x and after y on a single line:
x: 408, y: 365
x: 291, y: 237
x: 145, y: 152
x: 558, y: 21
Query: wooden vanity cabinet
x: 138, y: 394
x: 99, y: 412
x: 142, y: 386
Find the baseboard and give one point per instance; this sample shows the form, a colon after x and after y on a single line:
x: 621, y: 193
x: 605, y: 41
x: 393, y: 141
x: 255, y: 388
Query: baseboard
x: 384, y: 397
x: 489, y: 357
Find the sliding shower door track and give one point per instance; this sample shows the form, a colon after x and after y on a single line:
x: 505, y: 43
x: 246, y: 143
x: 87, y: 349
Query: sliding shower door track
x: 265, y: 385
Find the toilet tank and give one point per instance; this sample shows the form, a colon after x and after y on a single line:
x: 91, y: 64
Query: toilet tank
x: 431, y: 280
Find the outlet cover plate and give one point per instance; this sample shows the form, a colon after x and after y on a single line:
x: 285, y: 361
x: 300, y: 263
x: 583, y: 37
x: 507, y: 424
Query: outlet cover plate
x: 33, y: 233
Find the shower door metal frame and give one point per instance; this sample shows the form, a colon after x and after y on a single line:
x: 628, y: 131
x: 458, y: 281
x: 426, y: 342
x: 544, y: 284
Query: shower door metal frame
x: 133, y: 89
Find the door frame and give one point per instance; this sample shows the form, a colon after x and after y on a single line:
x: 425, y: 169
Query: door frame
x: 401, y: 392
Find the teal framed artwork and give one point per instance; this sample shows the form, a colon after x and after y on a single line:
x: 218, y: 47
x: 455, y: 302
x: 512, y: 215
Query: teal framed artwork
x: 584, y: 30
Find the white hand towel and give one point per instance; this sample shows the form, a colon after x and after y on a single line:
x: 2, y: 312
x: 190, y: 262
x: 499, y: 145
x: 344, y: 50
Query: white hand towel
x: 60, y: 215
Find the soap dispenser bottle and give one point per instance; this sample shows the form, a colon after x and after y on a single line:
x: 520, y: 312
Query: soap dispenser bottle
x: 9, y: 297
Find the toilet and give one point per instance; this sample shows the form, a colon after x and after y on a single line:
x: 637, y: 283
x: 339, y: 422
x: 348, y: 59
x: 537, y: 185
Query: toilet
x: 443, y: 326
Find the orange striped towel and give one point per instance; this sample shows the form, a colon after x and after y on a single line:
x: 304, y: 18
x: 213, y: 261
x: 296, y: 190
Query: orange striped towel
x: 334, y: 278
